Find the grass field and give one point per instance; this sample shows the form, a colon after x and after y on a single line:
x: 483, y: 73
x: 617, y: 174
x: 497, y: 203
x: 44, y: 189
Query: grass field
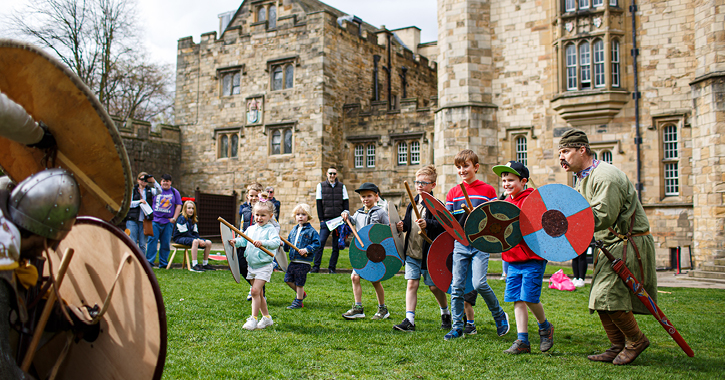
x: 205, y: 313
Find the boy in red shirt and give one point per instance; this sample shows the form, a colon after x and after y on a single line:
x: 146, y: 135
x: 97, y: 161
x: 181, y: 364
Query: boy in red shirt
x: 479, y: 192
x: 526, y: 270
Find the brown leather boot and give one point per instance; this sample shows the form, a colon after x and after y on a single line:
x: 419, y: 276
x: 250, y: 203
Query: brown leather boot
x: 607, y: 356
x: 631, y: 351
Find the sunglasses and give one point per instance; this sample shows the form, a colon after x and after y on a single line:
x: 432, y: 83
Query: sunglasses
x: 331, y: 173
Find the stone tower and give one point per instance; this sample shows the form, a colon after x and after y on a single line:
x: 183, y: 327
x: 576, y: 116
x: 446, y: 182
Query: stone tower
x: 465, y: 117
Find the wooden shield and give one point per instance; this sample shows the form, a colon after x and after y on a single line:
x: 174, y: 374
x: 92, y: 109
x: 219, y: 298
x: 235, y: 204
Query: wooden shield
x: 445, y: 218
x: 493, y: 227
x: 379, y: 259
x: 132, y: 339
x: 440, y: 264
x: 232, y: 259
x: 88, y: 142
x: 398, y: 237
x: 281, y: 257
x: 556, y: 222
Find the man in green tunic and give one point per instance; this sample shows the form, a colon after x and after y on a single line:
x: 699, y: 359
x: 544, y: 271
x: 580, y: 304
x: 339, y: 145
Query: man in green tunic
x: 620, y: 222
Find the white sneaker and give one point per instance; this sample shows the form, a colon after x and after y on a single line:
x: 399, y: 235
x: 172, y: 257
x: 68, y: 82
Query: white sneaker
x: 578, y: 282
x: 264, y: 322
x: 251, y: 323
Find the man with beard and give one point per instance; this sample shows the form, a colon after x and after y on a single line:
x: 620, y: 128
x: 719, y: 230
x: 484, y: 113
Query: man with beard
x: 621, y: 224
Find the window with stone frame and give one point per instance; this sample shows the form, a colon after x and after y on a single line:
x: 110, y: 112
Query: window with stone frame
x: 359, y: 156
x: 280, y: 140
x: 282, y: 73
x: 370, y: 162
x: 231, y: 82
x: 402, y: 153
x: 267, y: 12
x: 578, y: 5
x: 606, y: 156
x: 671, y: 160
x: 587, y: 57
x: 522, y: 154
x: 227, y: 142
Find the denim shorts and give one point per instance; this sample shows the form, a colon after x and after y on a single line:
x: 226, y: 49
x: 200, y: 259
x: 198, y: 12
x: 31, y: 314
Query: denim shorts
x: 413, y: 271
x: 297, y: 273
x: 524, y: 280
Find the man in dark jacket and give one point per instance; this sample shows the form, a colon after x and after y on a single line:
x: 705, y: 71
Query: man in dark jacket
x: 332, y: 200
x: 142, y: 193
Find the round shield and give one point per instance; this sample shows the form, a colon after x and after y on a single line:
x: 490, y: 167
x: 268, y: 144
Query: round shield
x: 445, y: 218
x: 88, y: 142
x: 133, y: 329
x: 493, y: 227
x: 281, y: 257
x: 231, y: 252
x: 556, y: 222
x: 379, y: 259
x: 398, y: 237
x: 440, y: 264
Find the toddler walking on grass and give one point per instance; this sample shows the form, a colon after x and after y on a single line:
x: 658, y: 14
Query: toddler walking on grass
x: 304, y: 237
x: 259, y: 263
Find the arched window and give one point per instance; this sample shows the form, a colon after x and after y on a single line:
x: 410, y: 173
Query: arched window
x: 359, y: 156
x: 571, y: 81
x: 585, y: 65
x: 371, y: 156
x: 289, y: 76
x: 598, y: 63
x: 402, y: 153
x: 414, y: 152
x: 261, y: 14
x: 277, y: 78
x: 276, y: 140
x: 224, y: 148
x: 607, y: 156
x: 671, y: 158
x: 287, y: 141
x: 234, y: 145
x: 521, y: 150
x: 273, y: 16
x: 615, y: 63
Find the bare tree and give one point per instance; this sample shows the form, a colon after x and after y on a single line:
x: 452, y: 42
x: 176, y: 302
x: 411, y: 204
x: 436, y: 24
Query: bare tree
x: 98, y: 40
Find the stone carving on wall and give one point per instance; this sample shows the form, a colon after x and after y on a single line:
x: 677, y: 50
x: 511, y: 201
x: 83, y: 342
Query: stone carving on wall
x: 255, y: 107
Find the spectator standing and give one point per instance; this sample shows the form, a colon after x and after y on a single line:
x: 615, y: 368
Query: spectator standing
x: 142, y: 194
x: 275, y: 202
x: 167, y: 207
x: 332, y: 200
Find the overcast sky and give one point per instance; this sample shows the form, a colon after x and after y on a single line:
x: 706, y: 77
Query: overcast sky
x: 166, y: 21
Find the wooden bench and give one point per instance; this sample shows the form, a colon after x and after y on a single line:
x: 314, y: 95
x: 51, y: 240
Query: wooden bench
x: 185, y: 258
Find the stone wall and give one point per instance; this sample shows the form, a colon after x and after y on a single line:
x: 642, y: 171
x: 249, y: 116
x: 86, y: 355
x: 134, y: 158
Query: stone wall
x: 332, y: 67
x: 156, y: 153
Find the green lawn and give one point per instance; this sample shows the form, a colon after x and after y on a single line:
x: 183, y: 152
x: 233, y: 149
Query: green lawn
x: 205, y: 313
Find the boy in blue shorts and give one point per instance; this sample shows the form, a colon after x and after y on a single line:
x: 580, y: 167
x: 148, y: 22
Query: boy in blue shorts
x: 416, y: 251
x: 466, y: 162
x: 526, y: 270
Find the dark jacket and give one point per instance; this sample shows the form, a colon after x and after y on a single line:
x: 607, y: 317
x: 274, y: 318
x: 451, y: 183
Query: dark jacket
x: 184, y: 228
x: 309, y: 239
x: 433, y: 228
x: 245, y: 212
x: 133, y: 213
x: 331, y: 205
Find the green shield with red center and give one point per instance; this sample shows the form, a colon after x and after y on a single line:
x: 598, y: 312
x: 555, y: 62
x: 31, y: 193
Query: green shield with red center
x: 377, y: 259
x: 493, y: 227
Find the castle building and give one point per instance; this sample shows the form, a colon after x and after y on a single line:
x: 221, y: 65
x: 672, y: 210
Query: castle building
x: 288, y: 88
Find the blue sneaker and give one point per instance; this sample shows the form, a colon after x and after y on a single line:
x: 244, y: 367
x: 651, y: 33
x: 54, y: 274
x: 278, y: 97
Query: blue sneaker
x: 502, y: 325
x: 453, y: 334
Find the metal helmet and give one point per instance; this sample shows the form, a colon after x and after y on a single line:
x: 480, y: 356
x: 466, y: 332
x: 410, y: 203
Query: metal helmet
x: 46, y: 203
